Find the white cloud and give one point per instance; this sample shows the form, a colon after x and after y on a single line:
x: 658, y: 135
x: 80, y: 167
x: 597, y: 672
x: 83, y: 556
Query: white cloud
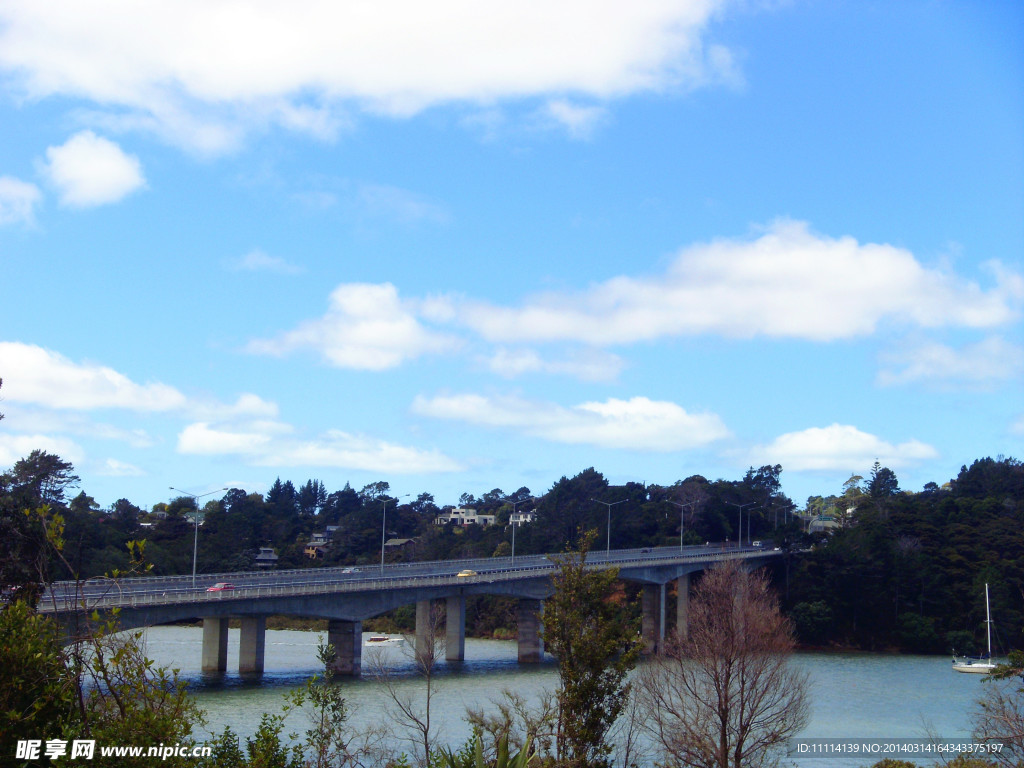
x: 258, y: 261
x: 200, y: 438
x: 115, y: 468
x: 39, y: 376
x: 18, y: 200
x: 203, y: 71
x: 348, y: 451
x: 786, y: 283
x: 838, y: 447
x: 89, y: 170
x: 987, y: 362
x: 269, y: 444
x: 366, y: 327
x: 636, y: 424
x: 579, y: 121
x: 588, y: 365
x: 1017, y: 427
x: 15, y: 447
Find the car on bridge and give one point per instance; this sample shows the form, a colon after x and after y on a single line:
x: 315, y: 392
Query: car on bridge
x: 220, y: 586
x: 466, y: 572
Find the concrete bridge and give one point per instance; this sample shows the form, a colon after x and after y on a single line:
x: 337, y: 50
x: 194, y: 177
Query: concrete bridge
x: 348, y: 596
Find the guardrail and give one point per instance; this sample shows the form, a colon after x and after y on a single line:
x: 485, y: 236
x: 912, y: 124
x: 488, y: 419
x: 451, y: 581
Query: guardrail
x: 140, y: 592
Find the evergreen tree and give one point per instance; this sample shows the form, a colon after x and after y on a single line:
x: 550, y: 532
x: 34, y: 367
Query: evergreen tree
x: 595, y: 648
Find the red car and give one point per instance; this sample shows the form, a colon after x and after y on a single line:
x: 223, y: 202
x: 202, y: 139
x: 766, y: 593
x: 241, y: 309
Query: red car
x: 220, y: 586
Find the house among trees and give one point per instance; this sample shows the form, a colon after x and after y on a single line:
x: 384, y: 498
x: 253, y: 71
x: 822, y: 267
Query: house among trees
x: 267, y: 558
x: 318, y: 544
x: 464, y: 516
x: 518, y: 519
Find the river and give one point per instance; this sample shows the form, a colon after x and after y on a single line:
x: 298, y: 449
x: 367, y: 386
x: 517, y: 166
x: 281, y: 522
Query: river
x: 853, y: 695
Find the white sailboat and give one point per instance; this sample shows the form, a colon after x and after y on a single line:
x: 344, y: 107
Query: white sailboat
x: 978, y: 665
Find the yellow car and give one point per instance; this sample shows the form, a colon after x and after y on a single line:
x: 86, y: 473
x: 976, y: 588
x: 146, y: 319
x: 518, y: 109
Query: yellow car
x: 466, y: 572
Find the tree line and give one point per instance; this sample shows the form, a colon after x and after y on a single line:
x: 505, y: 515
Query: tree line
x: 888, y: 569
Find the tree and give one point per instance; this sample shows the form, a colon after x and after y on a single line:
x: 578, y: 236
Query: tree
x: 999, y: 717
x: 100, y: 687
x: 330, y: 742
x: 408, y: 709
x: 43, y: 476
x: 883, y: 482
x: 724, y: 696
x: 595, y: 648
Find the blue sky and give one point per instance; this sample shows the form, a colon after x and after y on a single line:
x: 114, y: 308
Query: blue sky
x: 460, y: 246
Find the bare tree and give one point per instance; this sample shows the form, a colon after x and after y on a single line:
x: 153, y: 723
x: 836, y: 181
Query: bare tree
x: 724, y: 696
x: 411, y: 705
x: 1000, y: 719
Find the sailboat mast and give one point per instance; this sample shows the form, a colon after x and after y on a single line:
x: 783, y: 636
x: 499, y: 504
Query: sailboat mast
x: 988, y: 622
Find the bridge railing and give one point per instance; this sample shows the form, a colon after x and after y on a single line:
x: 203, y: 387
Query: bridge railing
x: 162, y: 591
x: 456, y: 565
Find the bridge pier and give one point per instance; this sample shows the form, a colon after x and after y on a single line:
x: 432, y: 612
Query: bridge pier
x: 347, y: 639
x: 251, y: 645
x: 683, y: 606
x: 529, y: 613
x: 215, y: 644
x: 652, y: 622
x: 454, y: 628
x: 424, y: 633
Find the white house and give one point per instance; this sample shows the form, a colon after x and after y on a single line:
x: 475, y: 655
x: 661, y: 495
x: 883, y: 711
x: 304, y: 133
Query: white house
x: 518, y: 519
x: 464, y: 516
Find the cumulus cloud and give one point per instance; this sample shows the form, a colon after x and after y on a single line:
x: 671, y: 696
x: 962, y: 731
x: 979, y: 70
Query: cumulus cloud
x: 366, y: 327
x: 270, y: 444
x: 203, y: 71
x: 838, y: 447
x: 637, y: 424
x: 588, y: 365
x: 15, y: 447
x: 258, y: 261
x: 89, y: 170
x: 201, y: 438
x: 43, y: 377
x: 18, y: 200
x: 786, y: 283
x: 115, y: 468
x: 987, y: 362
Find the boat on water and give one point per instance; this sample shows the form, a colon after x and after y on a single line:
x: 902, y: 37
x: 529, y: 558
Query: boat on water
x: 979, y: 665
x: 381, y: 640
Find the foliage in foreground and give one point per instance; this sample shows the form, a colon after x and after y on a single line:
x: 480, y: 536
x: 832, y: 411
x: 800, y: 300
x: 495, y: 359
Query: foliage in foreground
x: 595, y: 648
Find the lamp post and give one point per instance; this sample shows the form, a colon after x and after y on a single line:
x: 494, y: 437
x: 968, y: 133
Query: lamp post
x: 514, y: 505
x: 739, y: 541
x: 609, y: 504
x: 681, y: 522
x: 383, y: 522
x: 195, y: 538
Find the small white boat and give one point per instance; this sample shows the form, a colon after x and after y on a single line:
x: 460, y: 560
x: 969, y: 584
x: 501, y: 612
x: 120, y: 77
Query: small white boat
x: 979, y: 665
x: 381, y: 640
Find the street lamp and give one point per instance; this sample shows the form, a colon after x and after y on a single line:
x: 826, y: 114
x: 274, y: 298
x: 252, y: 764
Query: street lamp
x: 514, y: 505
x: 739, y: 541
x: 383, y: 522
x: 681, y: 508
x: 608, y: 545
x: 195, y: 538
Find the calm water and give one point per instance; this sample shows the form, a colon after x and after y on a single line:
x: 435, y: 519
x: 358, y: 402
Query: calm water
x: 852, y: 695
